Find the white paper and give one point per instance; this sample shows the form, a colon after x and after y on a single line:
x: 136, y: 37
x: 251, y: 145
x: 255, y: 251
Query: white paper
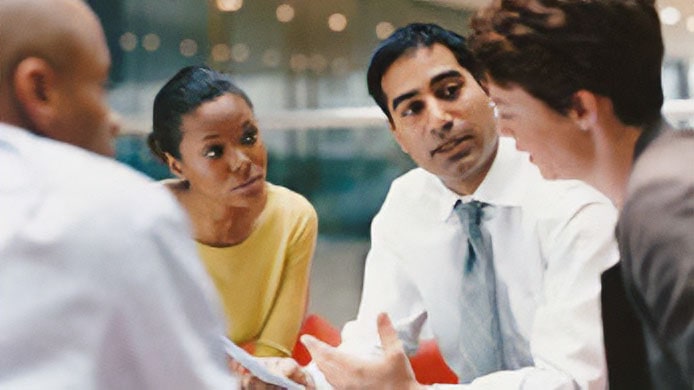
x: 257, y: 368
x: 409, y: 330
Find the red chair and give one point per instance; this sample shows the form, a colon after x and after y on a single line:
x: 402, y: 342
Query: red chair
x: 428, y: 364
x: 319, y: 328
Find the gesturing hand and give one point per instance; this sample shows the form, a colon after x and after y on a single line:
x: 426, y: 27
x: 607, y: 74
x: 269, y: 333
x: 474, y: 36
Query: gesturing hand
x: 391, y: 370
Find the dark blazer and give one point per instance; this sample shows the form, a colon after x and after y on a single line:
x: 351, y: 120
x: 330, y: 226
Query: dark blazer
x: 656, y: 242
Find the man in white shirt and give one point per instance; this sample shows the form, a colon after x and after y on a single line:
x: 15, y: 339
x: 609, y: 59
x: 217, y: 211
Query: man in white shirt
x: 100, y: 286
x: 550, y: 240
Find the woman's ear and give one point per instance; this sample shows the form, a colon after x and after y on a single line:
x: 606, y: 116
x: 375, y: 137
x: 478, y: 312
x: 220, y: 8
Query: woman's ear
x: 584, y: 109
x: 174, y: 166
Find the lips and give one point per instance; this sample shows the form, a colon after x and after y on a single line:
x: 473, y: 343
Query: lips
x: 523, y: 150
x: 449, y: 145
x: 248, y: 183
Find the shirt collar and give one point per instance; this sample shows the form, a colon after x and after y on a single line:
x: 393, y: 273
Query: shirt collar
x: 503, y: 186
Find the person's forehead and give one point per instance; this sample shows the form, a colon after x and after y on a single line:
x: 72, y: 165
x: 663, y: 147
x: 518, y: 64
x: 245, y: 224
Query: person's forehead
x: 222, y: 111
x: 417, y: 68
x: 507, y: 94
x: 227, y: 103
x: 436, y: 55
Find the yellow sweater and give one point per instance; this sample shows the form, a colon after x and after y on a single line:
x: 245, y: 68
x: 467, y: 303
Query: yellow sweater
x: 263, y: 281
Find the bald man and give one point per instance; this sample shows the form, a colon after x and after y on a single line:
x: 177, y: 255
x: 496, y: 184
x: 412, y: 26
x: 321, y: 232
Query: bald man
x: 100, y: 287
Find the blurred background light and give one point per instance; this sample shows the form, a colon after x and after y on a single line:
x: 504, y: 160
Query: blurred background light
x: 229, y: 5
x: 128, y: 41
x: 284, y: 13
x: 151, y: 42
x: 337, y: 22
x: 670, y: 16
x: 188, y: 47
x: 384, y: 29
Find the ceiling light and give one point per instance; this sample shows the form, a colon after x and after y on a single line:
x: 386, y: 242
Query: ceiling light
x: 337, y: 22
x: 229, y: 5
x: 285, y: 13
x: 670, y: 16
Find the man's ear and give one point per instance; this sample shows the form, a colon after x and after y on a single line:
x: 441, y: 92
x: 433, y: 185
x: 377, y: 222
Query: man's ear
x: 174, y: 166
x: 34, y: 83
x: 584, y: 109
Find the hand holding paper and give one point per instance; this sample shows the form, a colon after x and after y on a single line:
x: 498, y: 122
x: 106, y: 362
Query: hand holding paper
x: 278, y: 376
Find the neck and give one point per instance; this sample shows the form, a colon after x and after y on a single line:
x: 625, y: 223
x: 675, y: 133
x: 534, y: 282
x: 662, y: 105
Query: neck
x: 12, y: 112
x: 472, y: 179
x: 614, y: 160
x: 217, y: 224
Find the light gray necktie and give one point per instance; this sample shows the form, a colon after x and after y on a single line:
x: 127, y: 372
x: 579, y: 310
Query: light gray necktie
x: 480, y: 337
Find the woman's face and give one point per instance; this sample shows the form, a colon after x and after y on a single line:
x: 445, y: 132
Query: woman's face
x: 222, y: 154
x: 559, y: 148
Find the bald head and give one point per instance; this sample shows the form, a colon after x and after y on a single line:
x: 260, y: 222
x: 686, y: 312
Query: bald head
x: 50, y: 29
x: 53, y: 66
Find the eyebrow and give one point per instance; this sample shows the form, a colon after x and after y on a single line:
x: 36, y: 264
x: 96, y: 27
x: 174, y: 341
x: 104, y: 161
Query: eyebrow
x: 434, y: 80
x: 499, y: 101
x: 403, y: 97
x: 210, y: 136
x: 246, y: 124
x: 443, y: 76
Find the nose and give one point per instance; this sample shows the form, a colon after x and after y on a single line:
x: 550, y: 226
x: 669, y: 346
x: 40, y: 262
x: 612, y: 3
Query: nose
x: 441, y: 120
x: 438, y: 111
x: 239, y: 161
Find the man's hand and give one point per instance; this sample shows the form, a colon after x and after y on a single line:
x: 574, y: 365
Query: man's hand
x: 392, y: 370
x: 286, y: 367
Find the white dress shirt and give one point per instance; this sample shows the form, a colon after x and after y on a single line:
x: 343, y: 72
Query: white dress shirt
x: 100, y: 286
x: 551, y: 241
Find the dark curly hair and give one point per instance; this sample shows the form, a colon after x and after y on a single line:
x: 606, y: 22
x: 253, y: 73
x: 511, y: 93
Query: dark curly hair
x: 554, y: 48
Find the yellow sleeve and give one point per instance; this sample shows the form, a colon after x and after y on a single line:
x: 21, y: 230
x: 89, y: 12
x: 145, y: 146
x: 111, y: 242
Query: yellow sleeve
x: 282, y: 328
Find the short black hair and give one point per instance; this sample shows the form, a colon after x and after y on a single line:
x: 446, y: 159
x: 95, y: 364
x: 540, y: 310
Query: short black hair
x: 187, y: 90
x: 404, y: 39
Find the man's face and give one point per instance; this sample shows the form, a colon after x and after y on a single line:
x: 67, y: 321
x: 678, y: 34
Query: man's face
x: 85, y: 119
x: 555, y: 143
x: 441, y: 116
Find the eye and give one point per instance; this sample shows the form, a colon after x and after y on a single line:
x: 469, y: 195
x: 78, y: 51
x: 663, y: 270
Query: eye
x: 213, y: 152
x: 505, y: 116
x: 413, y: 108
x: 250, y: 136
x: 449, y: 91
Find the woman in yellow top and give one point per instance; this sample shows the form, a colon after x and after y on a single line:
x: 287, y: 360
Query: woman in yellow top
x: 256, y: 239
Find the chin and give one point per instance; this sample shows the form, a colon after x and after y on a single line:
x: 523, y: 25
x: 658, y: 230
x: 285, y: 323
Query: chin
x: 550, y: 175
x: 251, y: 196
